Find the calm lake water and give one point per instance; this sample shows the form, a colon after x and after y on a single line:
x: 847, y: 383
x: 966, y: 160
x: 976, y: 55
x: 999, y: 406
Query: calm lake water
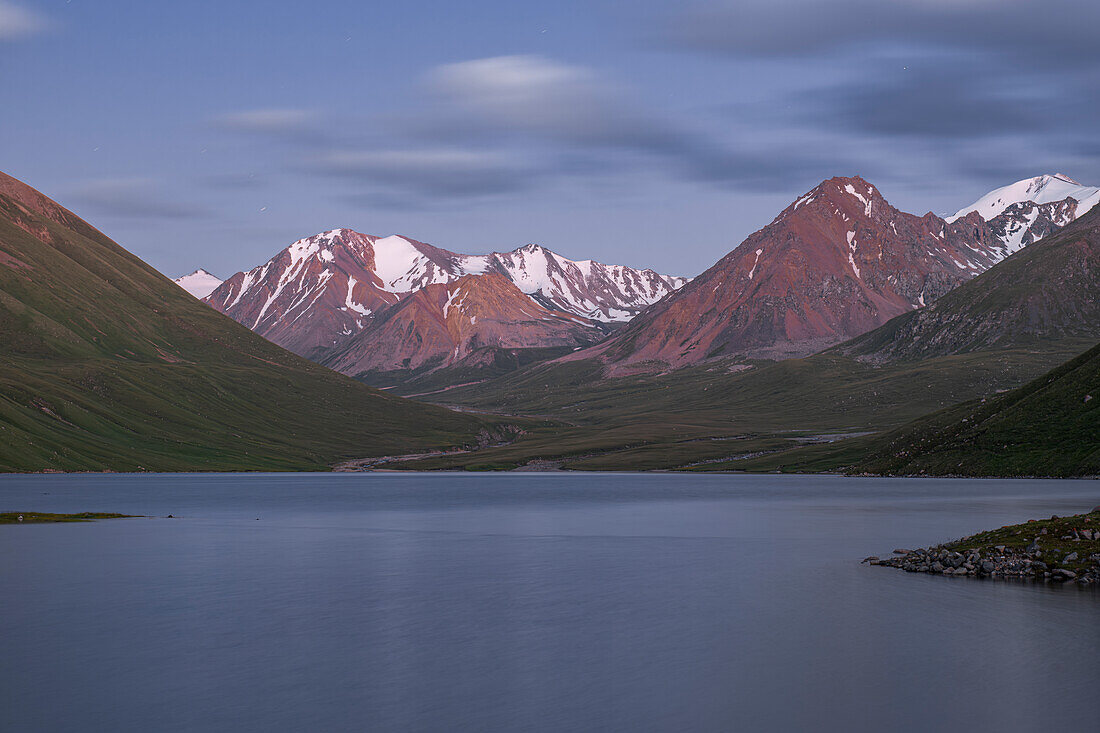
x: 524, y: 602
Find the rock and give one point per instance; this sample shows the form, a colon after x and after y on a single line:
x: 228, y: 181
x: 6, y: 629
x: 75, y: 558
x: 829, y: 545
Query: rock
x: 1071, y: 557
x: 1043, y: 530
x: 1095, y: 509
x: 903, y: 552
x: 987, y: 566
x: 1000, y: 549
x: 1033, y: 547
x: 1063, y: 575
x: 870, y: 559
x: 937, y: 567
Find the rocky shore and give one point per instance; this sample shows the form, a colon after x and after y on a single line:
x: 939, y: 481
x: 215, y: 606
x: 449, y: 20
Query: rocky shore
x: 1059, y: 550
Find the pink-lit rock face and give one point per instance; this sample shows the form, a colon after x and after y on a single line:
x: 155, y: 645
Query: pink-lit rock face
x: 317, y: 295
x: 836, y: 263
x: 445, y: 324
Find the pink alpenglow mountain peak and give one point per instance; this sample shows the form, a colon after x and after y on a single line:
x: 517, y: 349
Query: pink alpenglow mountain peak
x: 199, y: 283
x: 317, y: 294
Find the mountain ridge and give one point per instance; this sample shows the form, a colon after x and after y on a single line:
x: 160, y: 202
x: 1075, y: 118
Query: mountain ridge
x: 315, y: 295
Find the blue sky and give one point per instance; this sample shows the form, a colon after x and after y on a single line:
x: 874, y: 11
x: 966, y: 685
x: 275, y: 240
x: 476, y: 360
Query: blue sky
x: 651, y: 132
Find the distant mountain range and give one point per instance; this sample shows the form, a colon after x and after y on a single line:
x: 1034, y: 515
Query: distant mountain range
x: 322, y: 293
x: 838, y: 262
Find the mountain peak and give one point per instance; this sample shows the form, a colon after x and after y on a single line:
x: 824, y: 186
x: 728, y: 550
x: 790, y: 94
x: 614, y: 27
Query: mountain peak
x: 1045, y: 189
x: 199, y: 283
x: 847, y: 196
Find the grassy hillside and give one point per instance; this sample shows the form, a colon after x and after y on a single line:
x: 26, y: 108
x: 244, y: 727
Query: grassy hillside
x: 108, y: 365
x: 1048, y: 427
x: 704, y: 417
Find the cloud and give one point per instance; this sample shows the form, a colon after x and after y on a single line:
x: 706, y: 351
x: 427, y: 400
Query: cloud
x: 573, y: 112
x: 17, y: 22
x: 536, y: 96
x: 271, y: 121
x: 933, y: 103
x: 1053, y: 33
x: 450, y: 173
x: 931, y: 78
x: 131, y: 198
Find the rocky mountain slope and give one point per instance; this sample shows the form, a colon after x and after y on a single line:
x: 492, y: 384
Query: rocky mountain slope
x: 107, y: 365
x: 836, y: 263
x: 199, y: 283
x: 1039, y: 297
x: 464, y: 322
x: 317, y: 294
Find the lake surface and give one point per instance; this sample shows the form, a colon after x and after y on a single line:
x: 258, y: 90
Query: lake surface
x: 520, y: 602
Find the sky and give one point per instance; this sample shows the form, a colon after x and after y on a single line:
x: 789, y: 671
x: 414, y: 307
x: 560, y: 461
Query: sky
x: 653, y: 133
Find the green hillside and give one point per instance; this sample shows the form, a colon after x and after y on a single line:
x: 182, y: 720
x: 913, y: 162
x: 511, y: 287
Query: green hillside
x: 108, y: 365
x: 1048, y: 427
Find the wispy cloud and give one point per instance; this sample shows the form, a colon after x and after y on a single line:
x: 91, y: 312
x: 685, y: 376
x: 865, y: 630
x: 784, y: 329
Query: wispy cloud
x: 17, y: 22
x: 1052, y: 34
x: 574, y: 111
x: 270, y: 121
x: 132, y: 198
x: 450, y: 173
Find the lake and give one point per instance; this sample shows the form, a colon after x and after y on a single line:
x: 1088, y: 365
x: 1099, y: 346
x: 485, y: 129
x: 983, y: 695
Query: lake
x: 531, y: 602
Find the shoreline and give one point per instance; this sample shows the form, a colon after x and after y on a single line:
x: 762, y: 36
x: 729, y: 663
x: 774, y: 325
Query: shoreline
x: 1058, y: 550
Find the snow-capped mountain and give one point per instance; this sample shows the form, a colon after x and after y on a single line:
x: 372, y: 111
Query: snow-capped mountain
x: 836, y: 263
x: 469, y: 322
x: 199, y: 283
x: 1045, y: 189
x: 594, y: 290
x: 320, y: 291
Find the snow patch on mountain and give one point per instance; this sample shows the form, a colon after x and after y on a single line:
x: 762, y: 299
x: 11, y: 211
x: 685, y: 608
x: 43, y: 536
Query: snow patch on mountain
x: 199, y: 283
x: 1043, y: 189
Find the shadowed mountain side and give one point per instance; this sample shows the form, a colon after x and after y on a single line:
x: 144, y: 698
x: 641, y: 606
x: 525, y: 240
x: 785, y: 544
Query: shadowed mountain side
x: 1048, y: 427
x: 1048, y: 292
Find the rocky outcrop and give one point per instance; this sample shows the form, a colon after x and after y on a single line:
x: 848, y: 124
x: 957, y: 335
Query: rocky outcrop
x: 1058, y: 550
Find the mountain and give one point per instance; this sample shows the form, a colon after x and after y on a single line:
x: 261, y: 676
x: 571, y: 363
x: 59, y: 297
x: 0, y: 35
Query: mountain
x: 1045, y: 189
x: 608, y: 293
x: 1041, y: 297
x: 199, y: 283
x: 1048, y: 427
x: 314, y: 296
x: 836, y: 263
x: 466, y: 322
x: 108, y: 365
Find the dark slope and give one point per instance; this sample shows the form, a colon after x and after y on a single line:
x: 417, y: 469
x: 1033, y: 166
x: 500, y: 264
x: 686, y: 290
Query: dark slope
x: 1048, y: 427
x: 1047, y: 294
x: 108, y: 365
